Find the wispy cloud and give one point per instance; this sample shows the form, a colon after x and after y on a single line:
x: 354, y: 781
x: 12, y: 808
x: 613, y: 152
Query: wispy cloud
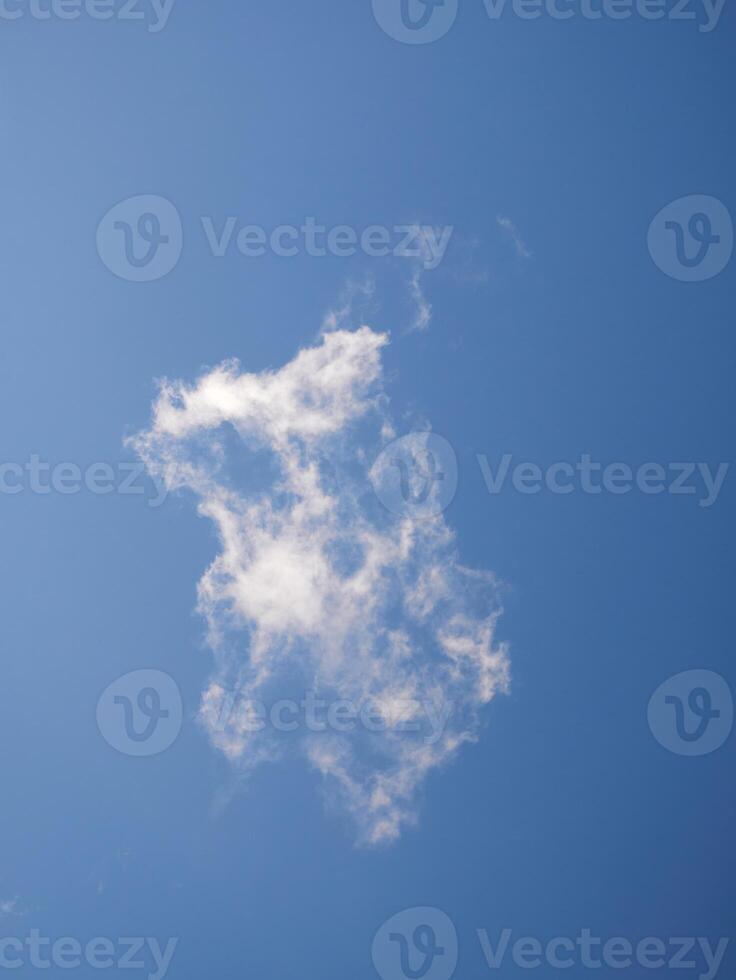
x: 356, y: 297
x: 430, y: 246
x: 508, y: 225
x: 11, y: 907
x: 422, y: 307
x: 316, y: 584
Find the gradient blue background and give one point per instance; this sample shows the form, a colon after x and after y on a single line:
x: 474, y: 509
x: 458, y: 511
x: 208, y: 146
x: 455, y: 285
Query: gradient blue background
x: 567, y: 814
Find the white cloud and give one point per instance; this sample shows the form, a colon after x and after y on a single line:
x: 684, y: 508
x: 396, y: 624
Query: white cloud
x: 425, y: 237
x: 356, y: 294
x: 508, y: 225
x: 316, y: 584
x: 11, y: 907
x: 422, y: 306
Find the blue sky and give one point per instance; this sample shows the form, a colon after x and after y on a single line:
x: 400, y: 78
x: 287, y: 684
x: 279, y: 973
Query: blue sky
x: 547, y: 331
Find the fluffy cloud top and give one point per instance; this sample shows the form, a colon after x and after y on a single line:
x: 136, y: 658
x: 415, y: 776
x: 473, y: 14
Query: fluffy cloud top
x: 317, y: 586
